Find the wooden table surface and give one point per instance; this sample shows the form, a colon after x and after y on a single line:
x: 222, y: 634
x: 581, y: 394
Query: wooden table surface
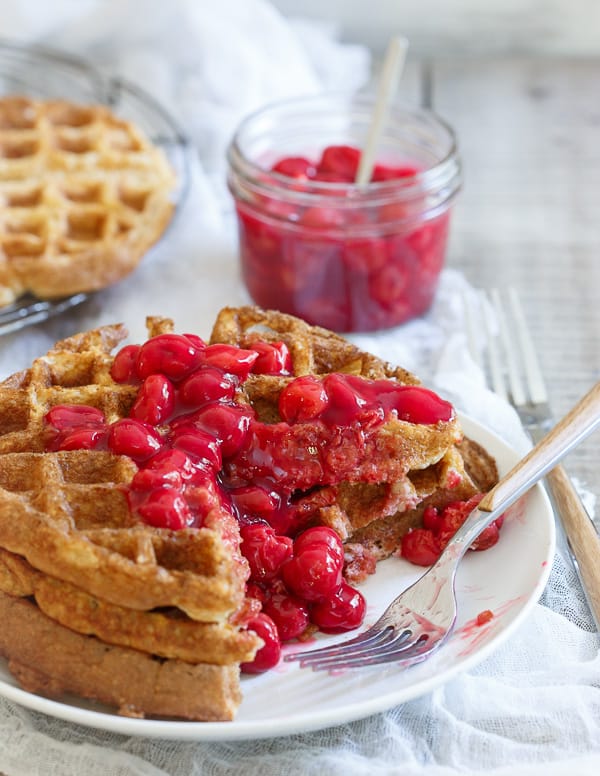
x: 529, y: 212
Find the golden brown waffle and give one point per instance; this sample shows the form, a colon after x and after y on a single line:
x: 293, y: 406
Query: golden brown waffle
x: 167, y: 632
x: 314, y: 350
x: 49, y: 659
x: 388, y: 455
x: 83, y: 195
x: 118, y: 599
x: 115, y: 597
x: 66, y: 514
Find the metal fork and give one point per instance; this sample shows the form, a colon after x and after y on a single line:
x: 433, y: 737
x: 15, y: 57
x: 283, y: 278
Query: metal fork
x: 420, y: 619
x: 28, y: 310
x: 510, y: 358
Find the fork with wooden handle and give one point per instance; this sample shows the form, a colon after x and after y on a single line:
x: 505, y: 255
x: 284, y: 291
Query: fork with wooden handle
x: 421, y: 618
x: 516, y: 376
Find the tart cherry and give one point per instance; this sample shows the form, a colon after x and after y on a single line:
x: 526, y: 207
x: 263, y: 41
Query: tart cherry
x: 273, y: 358
x: 432, y: 519
x: 264, y: 550
x: 206, y: 384
x: 254, y: 500
x: 416, y: 404
x: 133, y: 438
x: 302, y: 400
x: 68, y: 416
x: 230, y: 359
x: 124, y: 365
x: 171, y: 461
x: 151, y: 479
x: 228, y: 423
x: 196, y: 341
x: 269, y: 654
x: 198, y: 444
x: 421, y: 547
x: 165, y: 508
x: 320, y: 536
x: 155, y: 401
x: 341, y: 160
x: 343, y: 611
x: 79, y: 439
x: 289, y: 613
x: 172, y: 355
x: 295, y: 167
x: 313, y: 574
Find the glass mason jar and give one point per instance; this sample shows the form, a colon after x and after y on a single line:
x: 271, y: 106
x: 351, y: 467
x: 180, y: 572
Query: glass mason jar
x: 344, y: 256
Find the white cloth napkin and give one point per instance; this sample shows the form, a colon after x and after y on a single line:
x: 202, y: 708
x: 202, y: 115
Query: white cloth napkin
x: 531, y: 708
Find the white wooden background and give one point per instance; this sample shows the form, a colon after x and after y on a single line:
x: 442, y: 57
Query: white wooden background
x: 458, y: 27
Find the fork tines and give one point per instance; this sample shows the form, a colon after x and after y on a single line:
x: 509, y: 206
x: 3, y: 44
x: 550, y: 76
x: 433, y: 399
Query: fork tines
x: 27, y: 310
x: 510, y: 353
x: 375, y: 646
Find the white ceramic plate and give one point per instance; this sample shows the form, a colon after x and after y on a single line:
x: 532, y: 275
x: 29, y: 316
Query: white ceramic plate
x: 290, y: 700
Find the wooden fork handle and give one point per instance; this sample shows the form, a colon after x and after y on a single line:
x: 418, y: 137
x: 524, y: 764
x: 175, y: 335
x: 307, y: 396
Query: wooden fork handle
x: 576, y: 425
x: 581, y: 534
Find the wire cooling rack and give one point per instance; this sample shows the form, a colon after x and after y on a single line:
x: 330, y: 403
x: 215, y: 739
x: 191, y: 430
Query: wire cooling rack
x: 44, y: 73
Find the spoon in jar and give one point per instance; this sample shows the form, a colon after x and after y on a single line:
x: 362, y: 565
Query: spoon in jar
x: 391, y: 72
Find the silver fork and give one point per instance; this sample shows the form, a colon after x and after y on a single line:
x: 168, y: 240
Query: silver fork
x: 28, y: 310
x: 420, y: 619
x: 515, y: 374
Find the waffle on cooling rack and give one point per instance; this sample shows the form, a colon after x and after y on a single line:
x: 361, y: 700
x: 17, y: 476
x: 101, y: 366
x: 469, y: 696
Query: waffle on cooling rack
x: 83, y: 195
x: 111, y: 592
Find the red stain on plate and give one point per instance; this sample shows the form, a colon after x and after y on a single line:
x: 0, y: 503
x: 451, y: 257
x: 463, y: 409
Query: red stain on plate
x: 478, y: 630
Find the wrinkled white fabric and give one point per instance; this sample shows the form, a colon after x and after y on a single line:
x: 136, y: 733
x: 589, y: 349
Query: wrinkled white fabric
x: 531, y: 708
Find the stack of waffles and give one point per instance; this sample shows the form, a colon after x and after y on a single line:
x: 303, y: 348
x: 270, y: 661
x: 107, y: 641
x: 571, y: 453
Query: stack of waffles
x: 83, y: 195
x: 92, y: 601
x: 148, y: 619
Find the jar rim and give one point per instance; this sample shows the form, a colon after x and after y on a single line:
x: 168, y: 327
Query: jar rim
x: 423, y: 180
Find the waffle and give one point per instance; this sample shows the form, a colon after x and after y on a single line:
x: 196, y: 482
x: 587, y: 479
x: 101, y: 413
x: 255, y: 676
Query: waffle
x: 150, y: 620
x: 388, y: 454
x: 83, y: 195
x: 80, y: 572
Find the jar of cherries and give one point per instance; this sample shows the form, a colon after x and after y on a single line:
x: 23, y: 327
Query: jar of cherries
x: 316, y: 244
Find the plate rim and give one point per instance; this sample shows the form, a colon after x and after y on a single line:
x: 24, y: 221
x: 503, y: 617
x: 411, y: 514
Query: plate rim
x: 304, y: 722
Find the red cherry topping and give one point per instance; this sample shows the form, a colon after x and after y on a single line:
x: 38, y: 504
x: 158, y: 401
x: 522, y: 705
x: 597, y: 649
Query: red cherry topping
x: 206, y: 384
x: 229, y: 423
x: 172, y: 355
x: 268, y: 655
x: 68, y: 416
x: 230, y: 359
x: 342, y: 611
x: 151, y: 479
x: 79, y: 439
x: 124, y: 366
x: 420, y: 547
x: 313, y: 574
x: 295, y: 167
x: 155, y: 400
x: 165, y: 508
x: 341, y: 160
x: 302, y: 400
x: 171, y: 460
x: 135, y: 439
x: 264, y: 550
x: 198, y: 444
x: 196, y: 341
x: 273, y: 358
x: 289, y: 613
x: 320, y: 536
x: 254, y: 500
